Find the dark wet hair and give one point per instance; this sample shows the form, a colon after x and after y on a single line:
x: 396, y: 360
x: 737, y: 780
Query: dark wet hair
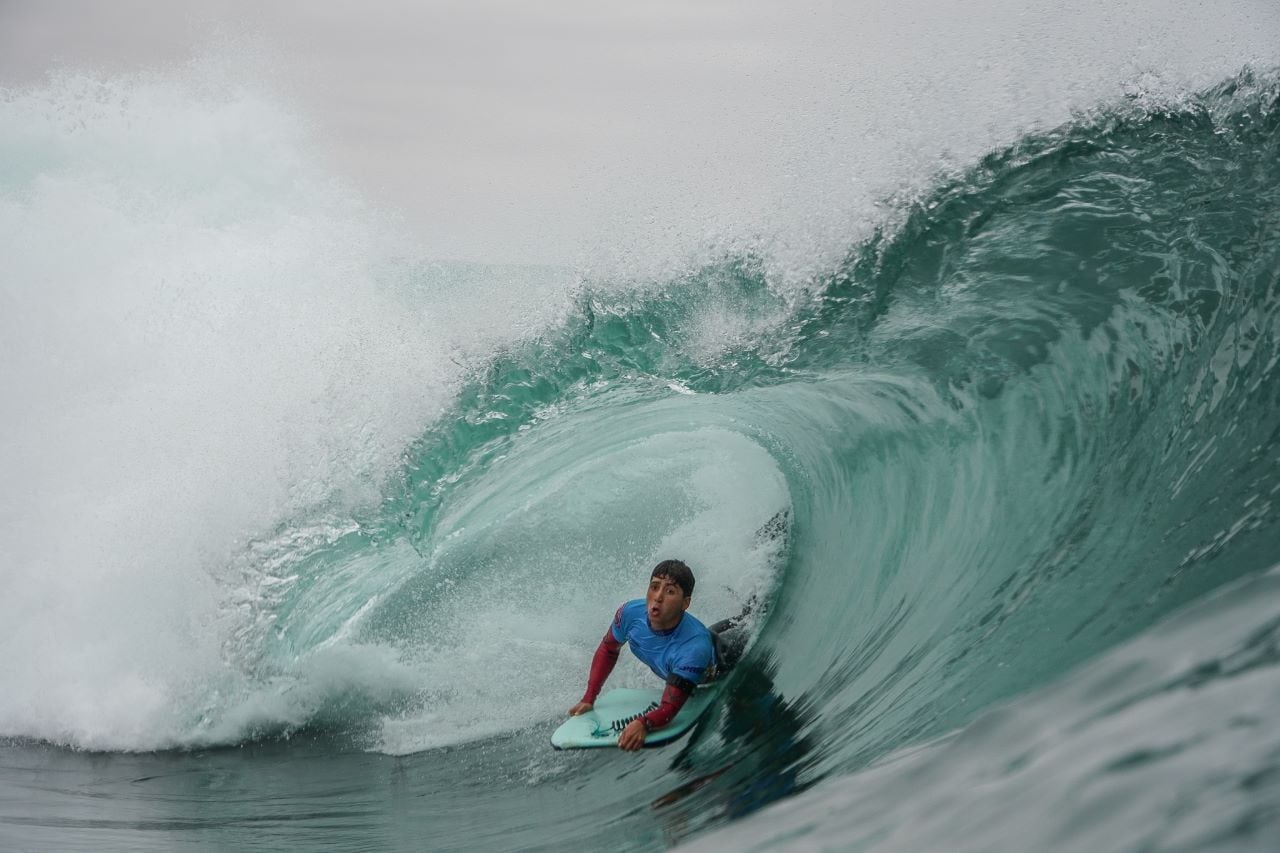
x: 677, y: 572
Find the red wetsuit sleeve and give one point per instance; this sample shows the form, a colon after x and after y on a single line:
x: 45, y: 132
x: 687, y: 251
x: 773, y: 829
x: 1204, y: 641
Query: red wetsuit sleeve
x: 601, y: 665
x: 673, y: 699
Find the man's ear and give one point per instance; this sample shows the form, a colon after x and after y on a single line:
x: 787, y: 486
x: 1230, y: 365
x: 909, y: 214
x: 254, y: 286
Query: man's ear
x: 684, y: 605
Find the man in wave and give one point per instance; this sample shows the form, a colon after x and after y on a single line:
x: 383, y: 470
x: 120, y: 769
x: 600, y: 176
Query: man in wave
x: 676, y: 646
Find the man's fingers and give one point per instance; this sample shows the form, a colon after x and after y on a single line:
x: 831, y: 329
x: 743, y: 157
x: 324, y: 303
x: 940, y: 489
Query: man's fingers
x: 632, y: 737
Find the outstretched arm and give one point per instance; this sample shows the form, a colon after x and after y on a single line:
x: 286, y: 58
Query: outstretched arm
x: 677, y: 692
x: 602, y: 664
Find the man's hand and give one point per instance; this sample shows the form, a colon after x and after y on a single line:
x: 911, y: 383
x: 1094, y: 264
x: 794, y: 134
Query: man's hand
x: 580, y: 708
x: 632, y: 737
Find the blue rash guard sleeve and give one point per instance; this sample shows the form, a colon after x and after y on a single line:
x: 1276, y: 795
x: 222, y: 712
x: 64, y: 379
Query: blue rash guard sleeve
x: 616, y: 628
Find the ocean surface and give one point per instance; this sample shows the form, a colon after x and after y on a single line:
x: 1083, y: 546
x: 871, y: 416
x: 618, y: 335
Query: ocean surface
x: 308, y: 539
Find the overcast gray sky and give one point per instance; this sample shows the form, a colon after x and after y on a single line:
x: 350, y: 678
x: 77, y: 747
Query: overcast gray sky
x: 540, y: 131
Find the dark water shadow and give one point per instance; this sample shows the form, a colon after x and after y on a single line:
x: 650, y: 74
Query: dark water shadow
x: 759, y: 760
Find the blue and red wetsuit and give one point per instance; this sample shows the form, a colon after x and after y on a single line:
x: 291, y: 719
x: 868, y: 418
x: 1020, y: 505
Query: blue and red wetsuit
x: 680, y: 656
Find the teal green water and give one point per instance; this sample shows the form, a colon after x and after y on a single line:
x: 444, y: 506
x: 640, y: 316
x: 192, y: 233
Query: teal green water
x: 1032, y: 417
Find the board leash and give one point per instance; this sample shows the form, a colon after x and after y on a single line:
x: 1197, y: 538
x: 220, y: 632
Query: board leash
x: 617, y: 726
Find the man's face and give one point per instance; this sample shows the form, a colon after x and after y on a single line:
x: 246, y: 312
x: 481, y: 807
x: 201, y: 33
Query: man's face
x: 666, y: 603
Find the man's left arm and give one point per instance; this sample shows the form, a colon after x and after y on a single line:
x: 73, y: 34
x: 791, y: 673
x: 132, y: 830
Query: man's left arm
x: 676, y: 693
x: 678, y: 690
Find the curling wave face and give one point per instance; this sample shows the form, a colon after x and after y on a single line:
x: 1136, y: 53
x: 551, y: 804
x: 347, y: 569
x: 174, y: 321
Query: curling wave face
x: 1016, y: 428
x: 1028, y: 419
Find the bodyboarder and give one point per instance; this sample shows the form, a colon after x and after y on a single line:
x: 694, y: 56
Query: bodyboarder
x: 676, y: 646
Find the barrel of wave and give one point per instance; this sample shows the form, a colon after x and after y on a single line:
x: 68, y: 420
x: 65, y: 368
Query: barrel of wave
x: 531, y: 558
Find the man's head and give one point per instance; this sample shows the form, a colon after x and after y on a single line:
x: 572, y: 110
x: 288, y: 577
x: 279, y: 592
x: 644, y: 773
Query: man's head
x: 680, y: 574
x: 670, y: 592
